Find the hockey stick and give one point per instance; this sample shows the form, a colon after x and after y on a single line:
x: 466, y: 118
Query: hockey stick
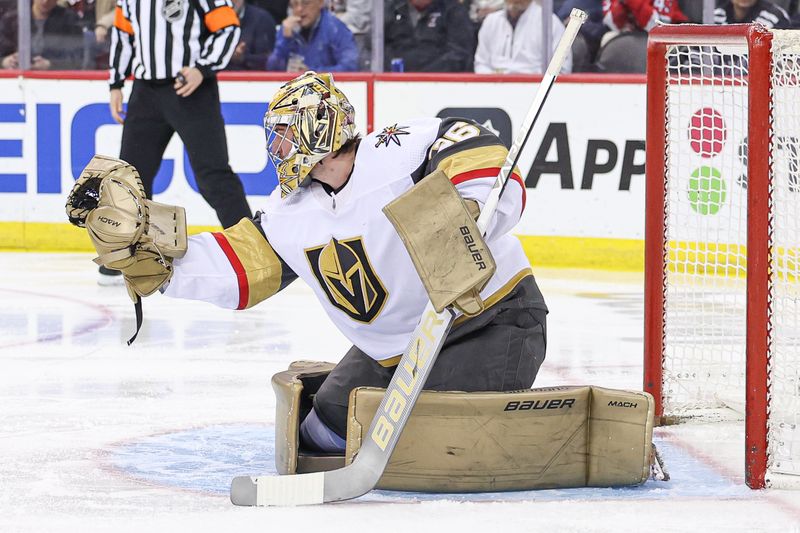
x: 363, y: 473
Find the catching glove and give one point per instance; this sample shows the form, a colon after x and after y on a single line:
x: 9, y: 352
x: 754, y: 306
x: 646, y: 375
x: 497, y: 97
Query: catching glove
x: 130, y: 233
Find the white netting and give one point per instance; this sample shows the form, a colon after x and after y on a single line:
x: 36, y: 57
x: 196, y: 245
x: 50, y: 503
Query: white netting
x: 706, y: 235
x: 783, y: 452
x: 706, y: 225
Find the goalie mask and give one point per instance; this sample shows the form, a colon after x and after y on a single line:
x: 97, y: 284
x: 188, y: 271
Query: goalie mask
x: 307, y: 119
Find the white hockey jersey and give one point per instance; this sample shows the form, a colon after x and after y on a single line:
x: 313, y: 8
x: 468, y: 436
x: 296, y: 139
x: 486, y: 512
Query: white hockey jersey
x: 343, y: 246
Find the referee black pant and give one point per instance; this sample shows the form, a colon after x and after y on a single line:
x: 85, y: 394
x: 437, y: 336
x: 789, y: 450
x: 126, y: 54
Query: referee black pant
x: 155, y: 112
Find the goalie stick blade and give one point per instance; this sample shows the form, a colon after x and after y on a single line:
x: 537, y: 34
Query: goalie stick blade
x: 300, y: 489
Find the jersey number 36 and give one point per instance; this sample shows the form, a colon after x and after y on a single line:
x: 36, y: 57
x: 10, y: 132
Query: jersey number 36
x: 458, y: 132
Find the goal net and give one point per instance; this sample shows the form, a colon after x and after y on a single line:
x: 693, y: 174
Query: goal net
x: 722, y: 333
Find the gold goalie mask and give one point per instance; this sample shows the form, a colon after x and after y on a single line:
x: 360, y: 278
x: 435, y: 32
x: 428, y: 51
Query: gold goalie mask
x: 307, y: 119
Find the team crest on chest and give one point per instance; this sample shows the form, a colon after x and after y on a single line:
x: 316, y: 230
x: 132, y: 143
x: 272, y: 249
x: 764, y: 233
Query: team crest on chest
x: 391, y: 134
x: 344, y: 272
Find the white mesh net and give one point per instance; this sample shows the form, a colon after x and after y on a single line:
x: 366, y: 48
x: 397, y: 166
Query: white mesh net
x: 784, y: 361
x: 706, y: 197
x: 706, y: 236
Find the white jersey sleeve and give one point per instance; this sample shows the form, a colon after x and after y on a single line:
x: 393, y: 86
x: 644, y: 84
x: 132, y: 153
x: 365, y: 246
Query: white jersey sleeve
x: 471, y: 156
x: 235, y: 268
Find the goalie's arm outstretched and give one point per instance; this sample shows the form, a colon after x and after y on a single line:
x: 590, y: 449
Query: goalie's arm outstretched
x: 235, y: 268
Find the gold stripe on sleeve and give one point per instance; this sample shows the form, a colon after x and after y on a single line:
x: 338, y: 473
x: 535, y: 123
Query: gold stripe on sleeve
x: 259, y: 260
x: 472, y: 159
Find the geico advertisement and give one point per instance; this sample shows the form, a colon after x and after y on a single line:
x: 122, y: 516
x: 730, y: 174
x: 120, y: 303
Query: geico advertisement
x: 50, y: 129
x: 583, y: 164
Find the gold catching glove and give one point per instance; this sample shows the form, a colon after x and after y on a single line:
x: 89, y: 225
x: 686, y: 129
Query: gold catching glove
x: 130, y: 233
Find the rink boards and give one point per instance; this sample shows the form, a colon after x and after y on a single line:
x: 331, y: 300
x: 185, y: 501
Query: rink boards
x: 583, y: 166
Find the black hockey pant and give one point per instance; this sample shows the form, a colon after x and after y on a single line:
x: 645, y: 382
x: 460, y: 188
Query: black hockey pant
x: 499, y: 350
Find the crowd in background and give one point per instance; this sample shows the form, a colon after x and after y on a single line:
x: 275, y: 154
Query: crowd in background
x: 483, y: 36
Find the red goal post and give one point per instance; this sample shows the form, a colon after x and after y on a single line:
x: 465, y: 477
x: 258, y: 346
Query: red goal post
x: 722, y: 331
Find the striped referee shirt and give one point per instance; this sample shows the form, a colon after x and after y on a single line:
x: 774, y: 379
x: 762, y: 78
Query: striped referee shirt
x: 154, y: 39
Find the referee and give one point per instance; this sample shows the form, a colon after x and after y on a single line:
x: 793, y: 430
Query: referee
x: 173, y: 48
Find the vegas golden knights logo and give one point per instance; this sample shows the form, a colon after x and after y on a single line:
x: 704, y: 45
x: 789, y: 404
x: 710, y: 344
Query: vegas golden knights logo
x: 345, y: 274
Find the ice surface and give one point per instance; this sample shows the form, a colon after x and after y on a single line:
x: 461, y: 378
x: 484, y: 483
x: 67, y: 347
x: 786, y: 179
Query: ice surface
x: 98, y: 436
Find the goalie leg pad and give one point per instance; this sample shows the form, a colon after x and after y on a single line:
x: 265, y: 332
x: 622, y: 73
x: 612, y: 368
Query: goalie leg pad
x: 485, y: 441
x: 494, y: 441
x: 293, y: 389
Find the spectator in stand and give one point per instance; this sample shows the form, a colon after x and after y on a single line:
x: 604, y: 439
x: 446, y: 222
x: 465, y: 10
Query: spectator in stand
x: 6, y: 5
x: 478, y: 9
x: 640, y: 15
x: 312, y: 38
x: 510, y: 41
x: 104, y: 15
x: 279, y: 9
x: 104, y: 19
x: 429, y: 35
x: 356, y: 14
x: 762, y: 11
x: 56, y: 38
x: 257, y: 40
x: 84, y: 10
